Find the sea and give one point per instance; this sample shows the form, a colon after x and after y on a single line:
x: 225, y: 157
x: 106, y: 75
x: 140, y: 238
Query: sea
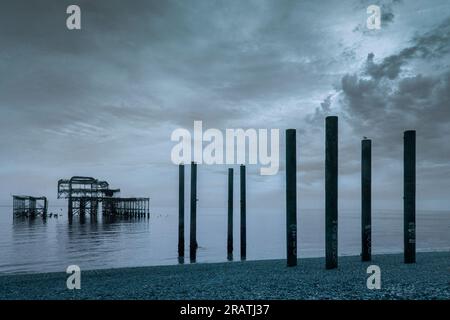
x: 50, y: 245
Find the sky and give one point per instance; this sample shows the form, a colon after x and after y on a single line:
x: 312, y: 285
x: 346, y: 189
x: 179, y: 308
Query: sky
x: 103, y: 101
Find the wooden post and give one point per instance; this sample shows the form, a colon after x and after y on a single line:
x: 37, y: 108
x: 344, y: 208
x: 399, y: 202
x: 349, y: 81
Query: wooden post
x: 331, y: 192
x: 409, y: 199
x: 193, y: 229
x: 291, y: 198
x: 181, y: 210
x: 230, y: 215
x: 243, y: 215
x: 366, y: 200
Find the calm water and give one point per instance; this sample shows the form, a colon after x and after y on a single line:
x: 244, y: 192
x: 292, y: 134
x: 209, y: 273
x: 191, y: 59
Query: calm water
x: 29, y: 246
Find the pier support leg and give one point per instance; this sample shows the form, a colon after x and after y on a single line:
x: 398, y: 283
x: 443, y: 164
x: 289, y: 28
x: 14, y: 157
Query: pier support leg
x: 193, y: 229
x: 32, y: 207
x: 45, y: 206
x: 366, y: 200
x: 230, y: 215
x: 331, y: 192
x: 181, y: 210
x: 409, y: 199
x: 291, y: 198
x: 243, y: 214
x: 82, y: 206
x: 70, y: 207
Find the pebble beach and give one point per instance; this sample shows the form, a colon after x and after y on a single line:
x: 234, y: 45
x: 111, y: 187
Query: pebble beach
x: 429, y: 278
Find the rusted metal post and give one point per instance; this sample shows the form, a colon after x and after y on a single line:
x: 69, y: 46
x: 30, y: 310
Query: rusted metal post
x: 45, y: 206
x: 32, y: 206
x: 180, y: 210
x: 291, y: 197
x: 331, y: 192
x: 243, y: 214
x: 82, y: 206
x: 70, y: 207
x: 193, y: 229
x: 409, y: 199
x: 366, y: 200
x: 230, y: 215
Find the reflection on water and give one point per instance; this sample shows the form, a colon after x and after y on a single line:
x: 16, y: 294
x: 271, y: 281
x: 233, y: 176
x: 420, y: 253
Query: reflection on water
x: 51, y: 244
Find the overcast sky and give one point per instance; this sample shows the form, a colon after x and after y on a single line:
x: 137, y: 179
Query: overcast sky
x: 103, y: 101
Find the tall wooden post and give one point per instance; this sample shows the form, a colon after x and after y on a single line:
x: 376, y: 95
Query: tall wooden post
x: 409, y: 198
x: 291, y: 198
x: 181, y: 210
x: 366, y: 200
x: 243, y: 214
x: 193, y: 229
x: 331, y: 192
x: 230, y: 215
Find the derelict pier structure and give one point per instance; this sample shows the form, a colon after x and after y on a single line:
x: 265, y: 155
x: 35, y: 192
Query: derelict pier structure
x: 28, y: 206
x: 84, y: 194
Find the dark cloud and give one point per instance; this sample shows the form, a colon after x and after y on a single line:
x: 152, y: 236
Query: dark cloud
x: 380, y: 89
x: 383, y: 100
x: 433, y: 44
x: 387, y: 11
x: 387, y: 96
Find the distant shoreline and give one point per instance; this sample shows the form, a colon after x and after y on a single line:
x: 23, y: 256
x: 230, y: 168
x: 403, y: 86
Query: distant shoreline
x: 429, y: 278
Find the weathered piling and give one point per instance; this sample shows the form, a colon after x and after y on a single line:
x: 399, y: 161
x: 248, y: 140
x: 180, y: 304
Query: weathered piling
x: 127, y: 207
x: 409, y: 198
x: 32, y: 204
x: 193, y: 227
x: 82, y: 206
x: 181, y: 211
x: 331, y: 192
x: 70, y: 207
x: 243, y: 214
x: 366, y: 200
x: 291, y: 197
x: 94, y: 206
x: 230, y: 215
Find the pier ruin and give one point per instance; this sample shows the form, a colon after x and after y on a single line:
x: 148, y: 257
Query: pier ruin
x: 29, y: 206
x: 84, y: 194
